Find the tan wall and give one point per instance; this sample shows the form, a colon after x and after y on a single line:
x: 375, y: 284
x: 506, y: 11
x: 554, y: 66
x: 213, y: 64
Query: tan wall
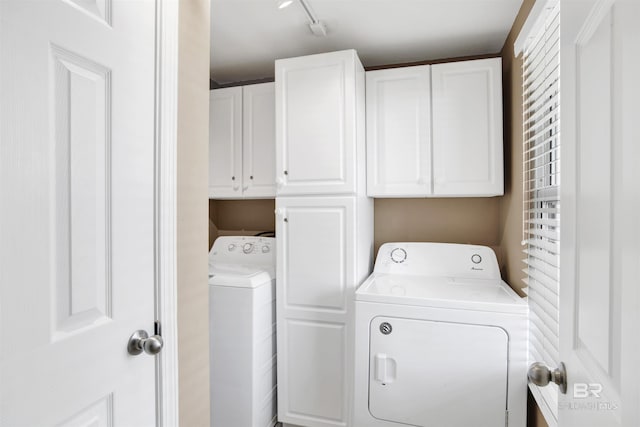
x: 193, y: 136
x: 455, y: 220
x: 511, y: 209
x: 243, y: 214
x: 510, y: 232
x: 468, y: 220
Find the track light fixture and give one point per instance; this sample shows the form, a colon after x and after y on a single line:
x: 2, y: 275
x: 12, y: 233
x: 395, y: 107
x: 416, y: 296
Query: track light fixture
x: 317, y: 27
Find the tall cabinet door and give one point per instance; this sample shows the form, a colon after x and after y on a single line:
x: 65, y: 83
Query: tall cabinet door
x: 467, y: 128
x: 259, y: 141
x: 315, y: 284
x: 399, y: 132
x: 316, y: 124
x: 225, y: 142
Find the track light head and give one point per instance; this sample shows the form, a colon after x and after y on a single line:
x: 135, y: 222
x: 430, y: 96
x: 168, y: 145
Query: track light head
x: 283, y: 3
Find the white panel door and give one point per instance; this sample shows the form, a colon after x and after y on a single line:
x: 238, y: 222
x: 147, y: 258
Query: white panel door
x: 599, y: 296
x: 76, y: 211
x: 399, y: 132
x: 408, y: 359
x: 259, y: 141
x: 316, y: 124
x: 315, y: 285
x: 225, y: 143
x: 467, y: 128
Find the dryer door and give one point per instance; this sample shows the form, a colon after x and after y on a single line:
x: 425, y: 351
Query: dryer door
x: 429, y: 373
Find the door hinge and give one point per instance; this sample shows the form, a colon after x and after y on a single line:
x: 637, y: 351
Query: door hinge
x: 506, y: 418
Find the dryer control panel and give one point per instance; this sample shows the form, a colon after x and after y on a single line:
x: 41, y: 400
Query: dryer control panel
x: 437, y: 260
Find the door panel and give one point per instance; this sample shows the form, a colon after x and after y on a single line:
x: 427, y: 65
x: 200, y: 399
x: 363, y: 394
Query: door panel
x: 77, y: 217
x: 427, y: 373
x: 599, y: 301
x: 326, y: 228
x: 315, y: 284
x: 316, y: 156
x: 316, y: 252
x: 316, y: 370
x: 225, y: 143
x: 399, y: 132
x: 467, y: 128
x: 594, y: 225
x: 82, y: 176
x: 259, y: 141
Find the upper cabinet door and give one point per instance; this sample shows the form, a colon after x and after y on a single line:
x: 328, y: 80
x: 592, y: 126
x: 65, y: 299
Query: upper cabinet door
x: 225, y: 142
x: 399, y: 132
x: 316, y: 123
x: 259, y: 141
x: 467, y: 128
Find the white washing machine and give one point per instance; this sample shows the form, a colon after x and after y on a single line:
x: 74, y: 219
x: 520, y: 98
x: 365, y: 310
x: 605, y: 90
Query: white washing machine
x: 242, y: 320
x: 441, y: 340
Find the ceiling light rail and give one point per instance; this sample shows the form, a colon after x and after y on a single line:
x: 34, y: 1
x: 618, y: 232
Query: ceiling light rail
x: 317, y: 27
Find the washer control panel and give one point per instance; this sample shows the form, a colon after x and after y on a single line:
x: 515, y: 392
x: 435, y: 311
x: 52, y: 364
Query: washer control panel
x: 253, y: 250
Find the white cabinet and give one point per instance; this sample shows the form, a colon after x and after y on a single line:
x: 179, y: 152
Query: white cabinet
x: 259, y: 143
x: 324, y: 229
x: 225, y: 142
x: 399, y: 132
x: 435, y: 131
x: 467, y: 128
x: 324, y: 251
x: 320, y: 124
x: 242, y: 142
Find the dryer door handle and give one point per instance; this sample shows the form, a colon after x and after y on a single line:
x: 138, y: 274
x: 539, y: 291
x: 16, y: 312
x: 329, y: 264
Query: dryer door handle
x: 384, y: 368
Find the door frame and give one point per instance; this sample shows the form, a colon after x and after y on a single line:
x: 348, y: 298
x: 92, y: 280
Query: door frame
x: 165, y: 208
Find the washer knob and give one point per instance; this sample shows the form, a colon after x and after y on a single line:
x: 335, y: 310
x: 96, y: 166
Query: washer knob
x: 265, y: 249
x: 476, y: 259
x: 247, y: 248
x: 231, y: 247
x: 398, y: 255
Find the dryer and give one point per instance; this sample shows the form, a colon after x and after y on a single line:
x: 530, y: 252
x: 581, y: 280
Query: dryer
x: 242, y: 326
x: 441, y: 340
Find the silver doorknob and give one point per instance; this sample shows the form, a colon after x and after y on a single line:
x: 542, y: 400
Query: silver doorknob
x: 141, y: 341
x: 540, y: 375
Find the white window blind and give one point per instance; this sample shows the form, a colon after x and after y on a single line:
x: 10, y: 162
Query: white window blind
x: 541, y: 181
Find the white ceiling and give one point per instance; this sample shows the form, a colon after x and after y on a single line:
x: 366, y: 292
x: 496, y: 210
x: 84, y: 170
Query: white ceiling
x: 248, y: 35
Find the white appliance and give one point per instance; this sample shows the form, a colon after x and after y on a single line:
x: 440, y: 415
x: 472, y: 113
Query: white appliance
x: 242, y: 326
x: 441, y: 340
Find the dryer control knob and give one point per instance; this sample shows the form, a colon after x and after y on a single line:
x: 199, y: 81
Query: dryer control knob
x: 265, y: 249
x: 398, y: 255
x: 231, y: 247
x: 247, y: 248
